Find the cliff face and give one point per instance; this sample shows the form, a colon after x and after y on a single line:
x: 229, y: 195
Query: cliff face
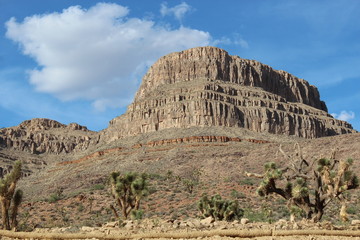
x: 47, y: 136
x: 199, y: 87
x: 207, y: 87
x: 212, y: 63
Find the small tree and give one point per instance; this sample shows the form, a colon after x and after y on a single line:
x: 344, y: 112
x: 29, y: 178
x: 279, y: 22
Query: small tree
x: 10, y: 198
x: 220, y: 209
x: 310, y: 187
x: 191, y: 179
x: 127, y: 191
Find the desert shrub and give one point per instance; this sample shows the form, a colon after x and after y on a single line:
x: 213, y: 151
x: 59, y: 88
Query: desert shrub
x: 352, y: 209
x: 137, y: 214
x: 235, y: 194
x: 191, y: 179
x: 169, y: 175
x: 219, y: 209
x: 80, y: 208
x: 258, y: 215
x: 56, y: 196
x: 247, y: 181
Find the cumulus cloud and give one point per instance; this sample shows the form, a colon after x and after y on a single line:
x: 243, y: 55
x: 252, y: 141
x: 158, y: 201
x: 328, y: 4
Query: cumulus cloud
x: 96, y: 54
x: 178, y: 11
x: 344, y: 115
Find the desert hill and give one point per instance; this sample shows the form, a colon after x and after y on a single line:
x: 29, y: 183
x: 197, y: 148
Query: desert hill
x: 196, y: 111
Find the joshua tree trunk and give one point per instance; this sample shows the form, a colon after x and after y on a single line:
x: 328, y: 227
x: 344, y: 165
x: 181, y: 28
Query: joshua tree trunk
x: 14, y: 212
x: 7, y: 190
x: 114, y: 211
x: 125, y: 213
x: 5, y: 213
x: 317, y: 217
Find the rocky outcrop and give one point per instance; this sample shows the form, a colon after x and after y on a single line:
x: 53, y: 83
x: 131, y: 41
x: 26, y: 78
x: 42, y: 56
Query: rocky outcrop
x: 207, y: 87
x: 212, y: 63
x: 47, y: 136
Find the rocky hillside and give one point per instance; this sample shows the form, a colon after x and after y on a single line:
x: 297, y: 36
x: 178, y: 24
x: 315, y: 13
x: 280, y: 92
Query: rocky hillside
x: 194, y: 97
x: 47, y: 136
x: 206, y: 86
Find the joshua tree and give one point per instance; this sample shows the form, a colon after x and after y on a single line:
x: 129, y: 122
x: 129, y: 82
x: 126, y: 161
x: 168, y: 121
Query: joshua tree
x: 309, y: 186
x: 10, y: 198
x: 220, y: 209
x: 127, y: 190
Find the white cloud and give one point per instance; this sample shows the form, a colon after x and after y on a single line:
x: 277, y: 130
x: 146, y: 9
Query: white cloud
x: 98, y: 53
x: 18, y: 98
x: 344, y: 115
x: 178, y: 11
x: 223, y: 40
x: 241, y: 42
x: 236, y: 40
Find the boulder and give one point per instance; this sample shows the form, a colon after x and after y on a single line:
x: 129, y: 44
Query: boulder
x: 355, y: 222
x: 207, y: 221
x: 244, y: 221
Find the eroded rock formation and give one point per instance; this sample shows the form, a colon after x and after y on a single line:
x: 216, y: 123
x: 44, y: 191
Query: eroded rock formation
x: 206, y: 86
x: 199, y: 87
x: 47, y: 136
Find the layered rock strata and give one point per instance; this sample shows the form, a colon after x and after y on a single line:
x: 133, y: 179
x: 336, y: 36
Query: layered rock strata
x: 206, y: 86
x: 47, y: 136
x: 165, y: 142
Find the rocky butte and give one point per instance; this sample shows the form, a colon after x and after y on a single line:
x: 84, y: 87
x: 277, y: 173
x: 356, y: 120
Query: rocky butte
x: 199, y: 87
x: 206, y: 86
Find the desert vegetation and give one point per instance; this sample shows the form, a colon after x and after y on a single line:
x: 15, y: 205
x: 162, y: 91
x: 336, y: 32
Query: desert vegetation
x: 128, y: 190
x: 155, y: 199
x: 220, y: 209
x: 10, y: 197
x: 309, y: 186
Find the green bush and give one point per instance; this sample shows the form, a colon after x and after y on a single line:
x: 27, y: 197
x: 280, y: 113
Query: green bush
x: 54, y: 197
x: 220, y: 209
x: 137, y: 214
x: 258, y: 215
x: 235, y: 194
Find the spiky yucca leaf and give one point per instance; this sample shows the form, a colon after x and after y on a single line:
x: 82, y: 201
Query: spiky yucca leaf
x: 324, y: 162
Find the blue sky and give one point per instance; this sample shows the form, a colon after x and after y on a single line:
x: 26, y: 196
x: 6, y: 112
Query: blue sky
x: 82, y: 61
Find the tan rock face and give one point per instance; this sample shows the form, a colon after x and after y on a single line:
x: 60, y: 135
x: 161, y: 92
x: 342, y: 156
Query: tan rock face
x: 199, y: 87
x: 212, y: 63
x: 207, y: 87
x: 47, y: 136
